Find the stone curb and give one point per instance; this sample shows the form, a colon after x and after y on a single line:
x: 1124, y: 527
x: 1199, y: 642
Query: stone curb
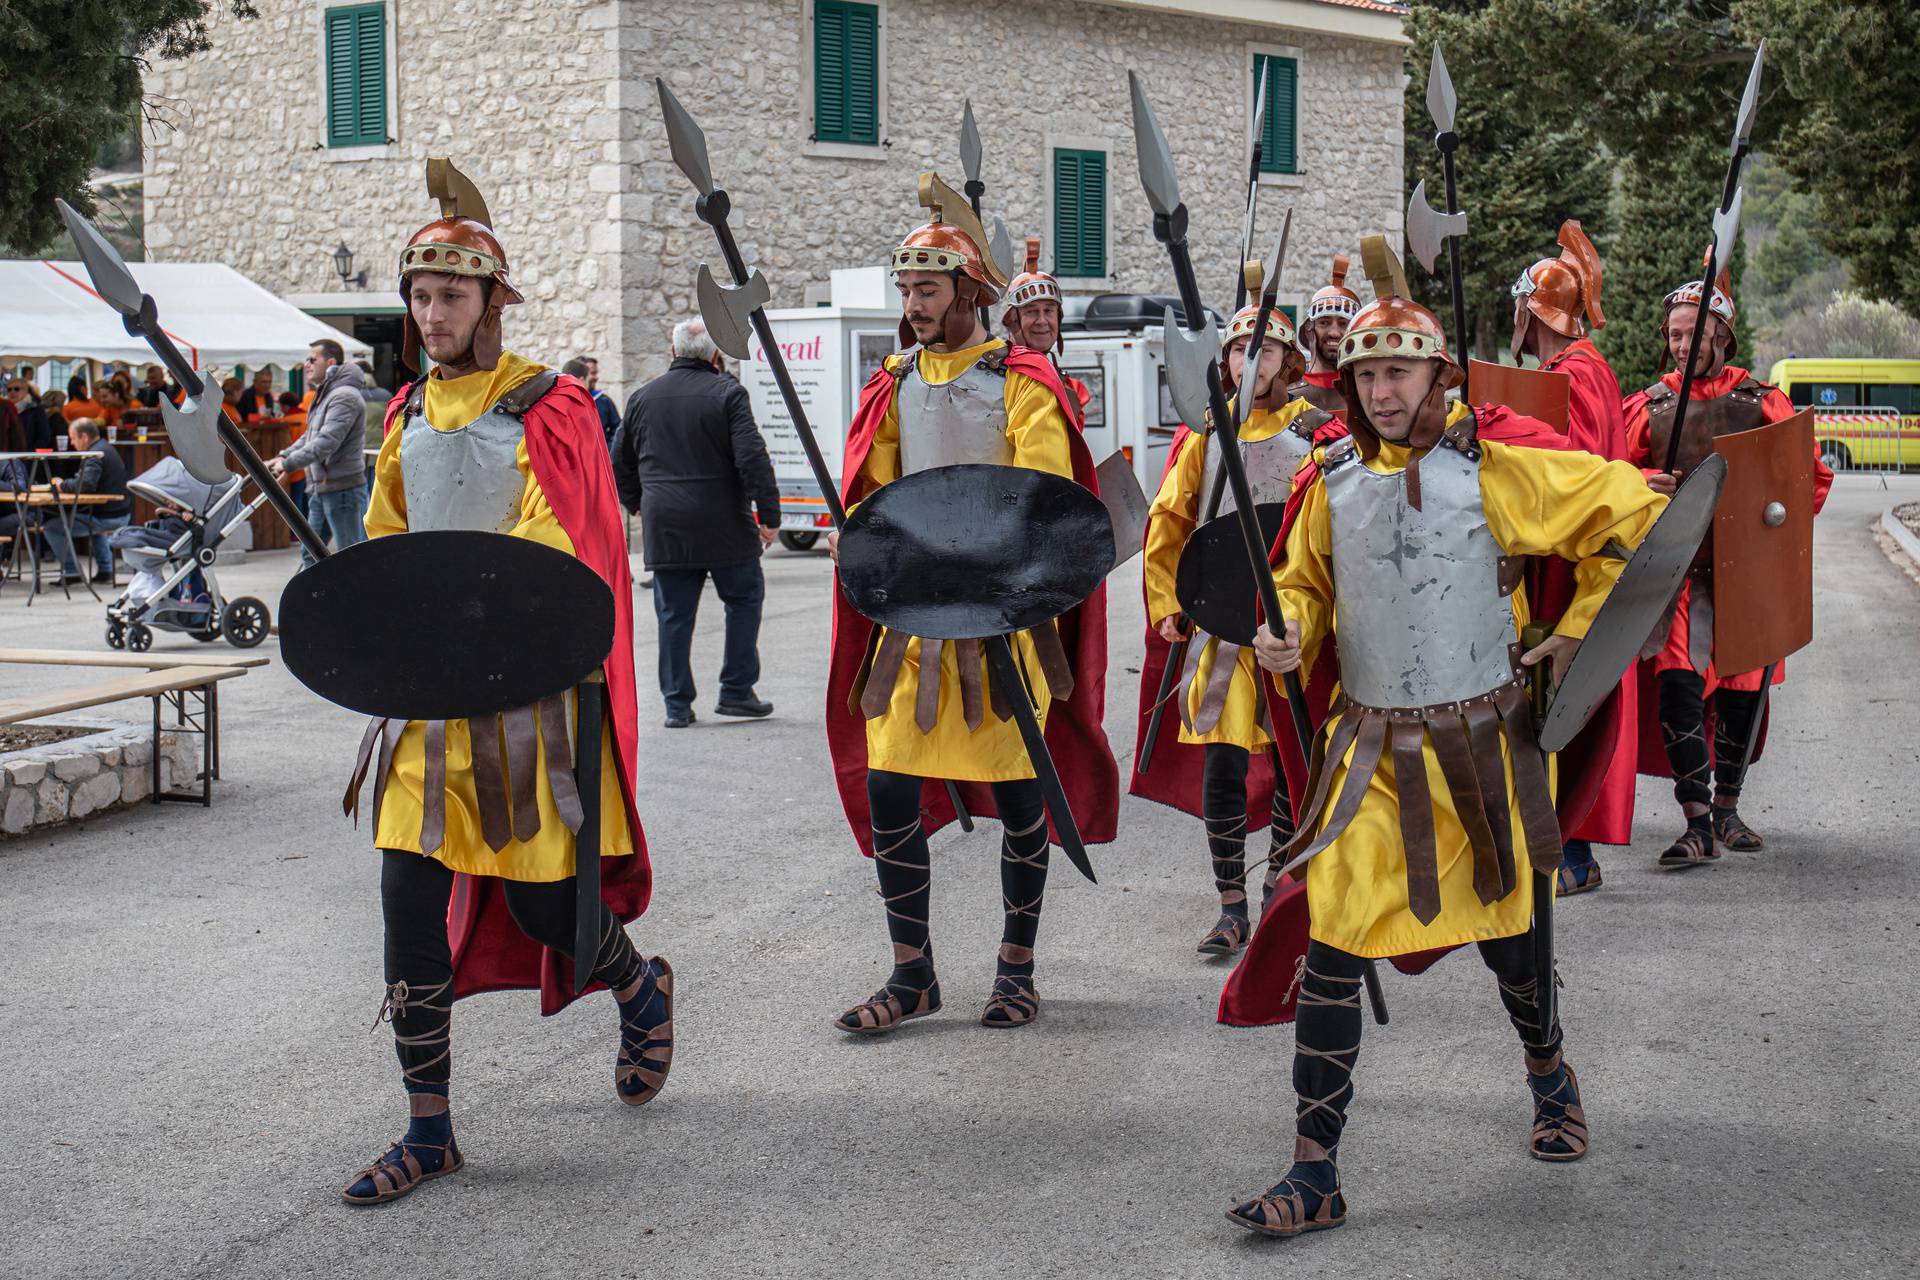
x: 1903, y: 537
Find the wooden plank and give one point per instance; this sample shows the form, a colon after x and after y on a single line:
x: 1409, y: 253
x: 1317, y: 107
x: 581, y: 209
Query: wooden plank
x: 111, y: 658
x: 80, y: 697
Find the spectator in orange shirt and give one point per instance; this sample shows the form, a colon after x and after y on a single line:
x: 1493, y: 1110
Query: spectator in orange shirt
x: 79, y: 403
x: 295, y: 416
x: 256, y: 402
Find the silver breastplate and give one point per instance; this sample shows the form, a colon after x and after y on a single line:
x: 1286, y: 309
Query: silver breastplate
x: 467, y: 478
x: 949, y: 423
x: 1420, y: 616
x: 1270, y: 465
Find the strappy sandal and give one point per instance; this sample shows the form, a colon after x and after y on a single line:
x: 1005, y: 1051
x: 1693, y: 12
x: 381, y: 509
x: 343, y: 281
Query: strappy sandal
x: 1226, y: 937
x: 890, y: 1006
x: 1694, y: 848
x: 646, y: 1041
x: 1281, y: 1210
x: 1015, y: 1001
x: 1559, y: 1122
x: 399, y: 1171
x: 1734, y: 834
x: 1571, y: 884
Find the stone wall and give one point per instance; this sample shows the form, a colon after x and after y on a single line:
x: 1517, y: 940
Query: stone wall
x: 60, y: 782
x: 549, y: 105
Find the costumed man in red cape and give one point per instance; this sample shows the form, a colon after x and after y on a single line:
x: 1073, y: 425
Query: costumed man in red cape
x: 1224, y: 719
x: 476, y: 819
x: 905, y: 713
x: 1429, y: 800
x: 1692, y: 696
x: 1329, y: 312
x: 1556, y: 307
x: 1032, y: 319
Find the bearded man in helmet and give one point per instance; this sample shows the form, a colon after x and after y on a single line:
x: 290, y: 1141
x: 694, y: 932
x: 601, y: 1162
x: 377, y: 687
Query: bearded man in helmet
x: 478, y: 843
x: 906, y: 713
x: 1695, y: 698
x: 1219, y: 768
x: 1430, y: 799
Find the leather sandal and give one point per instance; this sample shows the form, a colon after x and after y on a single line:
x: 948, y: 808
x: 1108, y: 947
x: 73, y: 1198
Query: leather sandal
x: 1015, y: 1001
x: 399, y: 1171
x: 890, y: 1006
x: 1227, y: 936
x: 1281, y: 1210
x: 1694, y: 848
x: 646, y: 1041
x: 1559, y: 1122
x: 1570, y: 883
x: 1736, y: 835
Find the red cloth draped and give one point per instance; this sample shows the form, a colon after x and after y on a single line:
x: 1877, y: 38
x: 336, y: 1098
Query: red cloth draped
x: 1075, y: 736
x: 570, y: 463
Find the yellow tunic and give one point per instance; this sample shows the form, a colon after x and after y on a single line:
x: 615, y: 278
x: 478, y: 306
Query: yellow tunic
x: 451, y: 404
x: 1037, y: 430
x: 1538, y: 502
x: 1176, y: 512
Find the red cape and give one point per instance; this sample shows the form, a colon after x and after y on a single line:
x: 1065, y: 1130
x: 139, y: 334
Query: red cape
x: 1075, y: 736
x: 571, y: 465
x: 1177, y: 772
x: 1264, y: 986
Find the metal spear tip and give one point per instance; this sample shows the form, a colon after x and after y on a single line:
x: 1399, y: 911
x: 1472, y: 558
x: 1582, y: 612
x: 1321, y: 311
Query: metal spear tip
x: 1000, y: 248
x: 685, y: 140
x: 969, y: 143
x: 1441, y: 100
x: 1749, y: 102
x: 105, y: 267
x: 1726, y: 226
x: 1271, y: 287
x: 1427, y: 227
x: 1258, y: 116
x: 1150, y: 147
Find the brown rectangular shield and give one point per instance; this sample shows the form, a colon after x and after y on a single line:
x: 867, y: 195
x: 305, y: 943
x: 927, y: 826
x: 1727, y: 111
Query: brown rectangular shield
x: 1763, y: 545
x: 1537, y: 393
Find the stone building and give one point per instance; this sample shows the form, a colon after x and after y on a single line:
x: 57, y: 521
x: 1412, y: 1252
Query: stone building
x: 306, y: 130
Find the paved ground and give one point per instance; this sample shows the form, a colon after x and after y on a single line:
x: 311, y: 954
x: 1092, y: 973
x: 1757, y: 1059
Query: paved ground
x: 186, y: 1076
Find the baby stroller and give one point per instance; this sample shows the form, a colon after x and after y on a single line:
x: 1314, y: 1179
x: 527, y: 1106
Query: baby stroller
x: 173, y: 587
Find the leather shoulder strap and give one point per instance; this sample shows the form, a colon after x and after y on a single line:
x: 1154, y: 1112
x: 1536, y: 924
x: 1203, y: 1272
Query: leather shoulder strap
x: 1309, y: 422
x: 529, y: 393
x: 1338, y: 454
x: 416, y: 398
x: 1752, y: 388
x: 1464, y: 436
x: 994, y: 362
x: 899, y: 362
x: 1658, y: 392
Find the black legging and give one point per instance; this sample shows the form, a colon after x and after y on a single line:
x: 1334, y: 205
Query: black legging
x: 901, y: 863
x: 1683, y: 710
x: 1223, y: 808
x: 1327, y: 1030
x: 414, y: 894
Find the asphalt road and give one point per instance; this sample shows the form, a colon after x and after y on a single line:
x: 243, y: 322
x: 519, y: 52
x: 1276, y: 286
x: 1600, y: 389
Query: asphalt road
x: 187, y: 1077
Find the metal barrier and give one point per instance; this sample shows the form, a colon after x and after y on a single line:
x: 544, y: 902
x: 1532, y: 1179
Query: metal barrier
x: 1869, y: 439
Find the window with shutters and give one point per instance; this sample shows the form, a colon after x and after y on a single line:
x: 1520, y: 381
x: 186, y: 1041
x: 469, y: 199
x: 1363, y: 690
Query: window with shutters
x: 846, y: 72
x: 1079, y: 212
x: 356, y: 45
x: 1279, y: 132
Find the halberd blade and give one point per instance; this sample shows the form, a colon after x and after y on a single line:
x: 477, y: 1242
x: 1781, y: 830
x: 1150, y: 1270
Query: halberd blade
x: 728, y: 310
x: 1427, y: 227
x: 1188, y: 354
x: 1749, y: 102
x: 969, y: 143
x: 1258, y: 116
x: 105, y: 267
x: 193, y: 430
x: 1000, y: 248
x: 685, y: 140
x: 1271, y: 285
x: 1440, y: 96
x: 1726, y: 225
x: 1150, y: 147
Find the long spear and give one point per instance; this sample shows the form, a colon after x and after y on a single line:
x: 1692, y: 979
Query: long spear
x: 1726, y: 225
x: 1256, y: 124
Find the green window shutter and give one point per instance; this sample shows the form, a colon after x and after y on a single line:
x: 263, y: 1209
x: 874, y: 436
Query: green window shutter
x: 1280, y: 130
x: 846, y: 72
x: 1079, y: 213
x: 357, y: 75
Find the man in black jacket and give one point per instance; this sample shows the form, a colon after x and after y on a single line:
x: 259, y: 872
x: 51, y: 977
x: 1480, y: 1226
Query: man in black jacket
x: 101, y: 472
x: 689, y: 442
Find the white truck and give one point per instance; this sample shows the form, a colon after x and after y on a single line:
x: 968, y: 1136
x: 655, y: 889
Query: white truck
x: 1113, y: 344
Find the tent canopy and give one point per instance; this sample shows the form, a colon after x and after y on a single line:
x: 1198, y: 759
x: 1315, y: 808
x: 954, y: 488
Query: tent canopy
x: 218, y: 317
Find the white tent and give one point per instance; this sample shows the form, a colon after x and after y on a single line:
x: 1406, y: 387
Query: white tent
x: 217, y: 317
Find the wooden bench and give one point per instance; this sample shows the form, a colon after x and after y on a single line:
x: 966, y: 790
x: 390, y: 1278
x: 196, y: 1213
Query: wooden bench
x: 169, y: 680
